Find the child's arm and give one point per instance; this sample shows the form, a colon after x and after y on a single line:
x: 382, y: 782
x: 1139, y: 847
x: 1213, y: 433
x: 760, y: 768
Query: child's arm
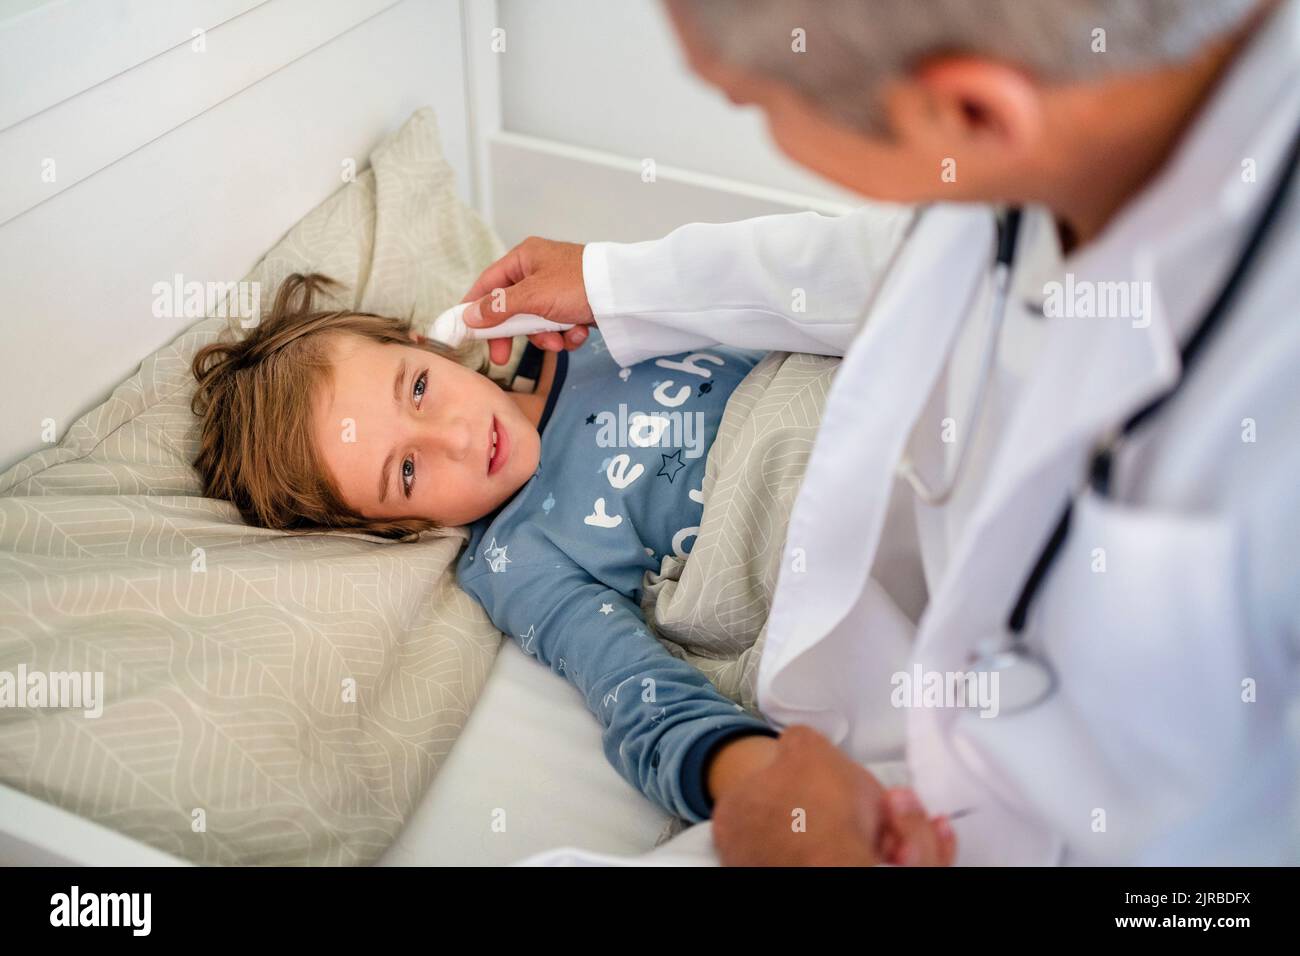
x: 662, y: 718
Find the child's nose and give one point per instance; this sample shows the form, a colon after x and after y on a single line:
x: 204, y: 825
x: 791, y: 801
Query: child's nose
x: 452, y: 437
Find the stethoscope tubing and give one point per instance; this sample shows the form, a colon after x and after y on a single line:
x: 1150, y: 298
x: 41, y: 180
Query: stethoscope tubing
x: 1003, y: 270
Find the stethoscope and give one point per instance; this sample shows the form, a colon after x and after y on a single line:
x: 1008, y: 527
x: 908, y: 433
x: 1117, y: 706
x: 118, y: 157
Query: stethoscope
x: 1026, y: 678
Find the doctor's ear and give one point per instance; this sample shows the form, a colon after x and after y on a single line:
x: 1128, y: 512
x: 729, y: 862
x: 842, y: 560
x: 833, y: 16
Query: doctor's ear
x: 970, y: 103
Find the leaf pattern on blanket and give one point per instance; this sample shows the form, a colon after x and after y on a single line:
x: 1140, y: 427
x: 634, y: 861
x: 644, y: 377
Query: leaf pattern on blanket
x: 712, y: 608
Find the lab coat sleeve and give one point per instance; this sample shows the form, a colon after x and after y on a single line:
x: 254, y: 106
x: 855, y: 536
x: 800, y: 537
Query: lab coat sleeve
x: 799, y: 282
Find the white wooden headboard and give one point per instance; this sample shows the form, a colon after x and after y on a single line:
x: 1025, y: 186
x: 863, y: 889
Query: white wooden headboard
x: 134, y: 147
x: 144, y: 138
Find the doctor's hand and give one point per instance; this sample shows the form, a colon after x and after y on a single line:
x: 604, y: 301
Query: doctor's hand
x: 801, y: 802
x: 540, y: 277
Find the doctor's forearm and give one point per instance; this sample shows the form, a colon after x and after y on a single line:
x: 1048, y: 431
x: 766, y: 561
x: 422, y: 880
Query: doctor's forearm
x: 797, y: 282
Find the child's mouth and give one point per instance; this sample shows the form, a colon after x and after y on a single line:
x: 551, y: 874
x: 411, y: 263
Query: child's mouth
x: 498, y: 447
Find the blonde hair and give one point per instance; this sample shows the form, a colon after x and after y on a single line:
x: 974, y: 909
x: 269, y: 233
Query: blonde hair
x: 254, y: 402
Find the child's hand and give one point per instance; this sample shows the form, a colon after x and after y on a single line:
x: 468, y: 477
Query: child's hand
x: 909, y: 837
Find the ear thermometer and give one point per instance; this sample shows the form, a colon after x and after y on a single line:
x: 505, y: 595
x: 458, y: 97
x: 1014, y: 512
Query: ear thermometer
x: 450, y: 328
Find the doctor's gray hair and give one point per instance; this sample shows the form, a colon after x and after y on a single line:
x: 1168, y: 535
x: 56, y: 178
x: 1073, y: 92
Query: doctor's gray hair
x: 853, y: 46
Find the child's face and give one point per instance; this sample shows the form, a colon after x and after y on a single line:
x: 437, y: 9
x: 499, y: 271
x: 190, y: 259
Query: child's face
x: 407, y: 433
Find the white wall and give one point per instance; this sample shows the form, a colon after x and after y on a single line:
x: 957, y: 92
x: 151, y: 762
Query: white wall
x: 610, y: 76
x: 172, y: 160
x: 583, y: 93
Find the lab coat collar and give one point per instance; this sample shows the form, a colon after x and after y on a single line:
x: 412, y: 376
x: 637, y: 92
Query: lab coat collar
x: 1202, y: 190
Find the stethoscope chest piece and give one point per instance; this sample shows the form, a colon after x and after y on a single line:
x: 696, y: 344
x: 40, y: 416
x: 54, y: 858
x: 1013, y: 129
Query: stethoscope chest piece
x: 1024, y: 679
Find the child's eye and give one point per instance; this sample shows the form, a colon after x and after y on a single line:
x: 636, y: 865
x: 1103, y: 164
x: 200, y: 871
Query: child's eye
x: 408, y: 475
x: 421, y: 383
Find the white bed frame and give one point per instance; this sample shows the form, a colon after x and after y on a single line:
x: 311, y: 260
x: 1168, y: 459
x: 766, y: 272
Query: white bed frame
x: 141, y: 139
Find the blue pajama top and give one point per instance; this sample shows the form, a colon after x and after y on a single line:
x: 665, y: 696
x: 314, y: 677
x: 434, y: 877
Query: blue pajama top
x: 559, y: 566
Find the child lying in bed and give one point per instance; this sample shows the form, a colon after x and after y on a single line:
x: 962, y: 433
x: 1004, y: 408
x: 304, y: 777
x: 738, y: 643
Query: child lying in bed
x: 343, y: 420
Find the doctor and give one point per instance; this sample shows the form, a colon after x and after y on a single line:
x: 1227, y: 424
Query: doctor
x: 1085, y: 490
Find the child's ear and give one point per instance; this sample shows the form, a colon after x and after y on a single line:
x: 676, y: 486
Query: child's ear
x: 415, y: 336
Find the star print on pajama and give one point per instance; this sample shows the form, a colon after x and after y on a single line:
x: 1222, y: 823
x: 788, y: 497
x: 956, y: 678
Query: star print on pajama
x: 496, y: 556
x: 559, y: 567
x: 672, y: 465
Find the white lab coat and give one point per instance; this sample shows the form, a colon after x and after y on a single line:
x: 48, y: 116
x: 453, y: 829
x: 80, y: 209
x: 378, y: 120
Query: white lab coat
x: 1172, y: 599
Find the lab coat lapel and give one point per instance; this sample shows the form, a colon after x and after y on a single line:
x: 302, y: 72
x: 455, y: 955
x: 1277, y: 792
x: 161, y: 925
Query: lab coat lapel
x: 878, y: 392
x: 1091, y: 374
